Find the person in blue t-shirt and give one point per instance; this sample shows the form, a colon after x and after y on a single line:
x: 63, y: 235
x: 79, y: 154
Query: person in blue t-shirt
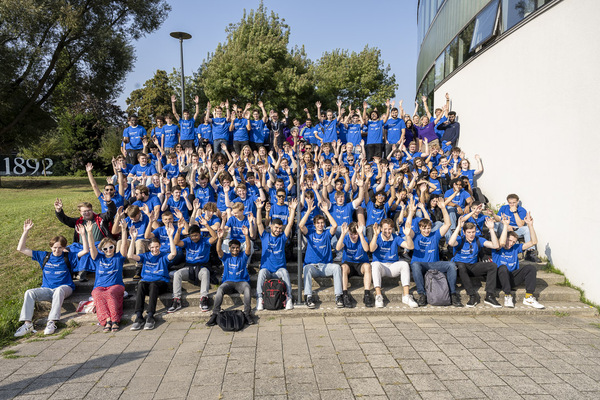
x: 57, y: 283
x: 108, y: 285
x: 466, y: 251
x: 517, y: 214
x: 233, y: 223
x: 109, y: 189
x: 426, y: 256
x: 155, y: 277
x: 396, y: 128
x: 318, y: 258
x: 158, y: 132
x: 374, y: 125
x: 176, y: 200
x: 240, y: 127
x: 510, y: 273
x: 186, y: 124
x: 355, y: 261
x: 132, y: 138
x: 220, y: 126
x: 273, y: 259
x: 171, y: 134
x: 235, y: 276
x: 458, y: 201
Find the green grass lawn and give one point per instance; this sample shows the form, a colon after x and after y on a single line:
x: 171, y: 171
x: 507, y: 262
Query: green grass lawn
x: 32, y: 197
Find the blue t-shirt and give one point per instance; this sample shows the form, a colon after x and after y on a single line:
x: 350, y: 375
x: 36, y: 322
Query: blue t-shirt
x: 505, y: 209
x: 235, y: 228
x: 329, y: 134
x: 139, y: 170
x: 308, y: 133
x: 469, y: 174
x: 158, y: 133
x: 281, y: 212
x: 187, y: 129
x: 213, y: 220
x: 460, y: 199
x: 249, y: 205
x: 171, y: 135
x: 161, y: 234
x: 354, y: 134
x: 394, y: 129
x: 152, y: 202
x: 426, y: 247
x: 205, y: 132
x: 273, y: 251
x: 155, y: 268
x: 257, y: 133
x: 221, y: 198
x: 117, y: 199
x: 509, y: 257
x: 135, y: 135
x: 196, y: 252
x: 354, y: 252
x: 466, y: 252
x: 235, y: 268
x: 240, y: 133
x: 109, y: 271
x: 375, y: 132
x: 55, y: 273
x: 376, y: 215
x: 342, y: 214
x: 387, y: 250
x: 172, y: 170
x: 318, y: 248
x: 220, y: 128
x: 179, y: 205
x: 140, y: 224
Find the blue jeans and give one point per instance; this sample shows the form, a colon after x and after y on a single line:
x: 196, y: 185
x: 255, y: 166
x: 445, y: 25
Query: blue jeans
x: 321, y: 269
x: 217, y: 145
x: 265, y: 274
x: 447, y: 267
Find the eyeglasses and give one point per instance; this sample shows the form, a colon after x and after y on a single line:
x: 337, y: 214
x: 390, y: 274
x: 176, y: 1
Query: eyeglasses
x: 281, y: 196
x: 105, y: 249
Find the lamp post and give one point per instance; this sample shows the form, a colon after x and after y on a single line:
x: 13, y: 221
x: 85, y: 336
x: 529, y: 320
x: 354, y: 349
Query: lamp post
x: 181, y: 36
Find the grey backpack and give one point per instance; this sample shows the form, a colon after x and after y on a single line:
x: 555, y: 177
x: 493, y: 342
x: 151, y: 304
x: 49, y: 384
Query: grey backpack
x: 436, y: 287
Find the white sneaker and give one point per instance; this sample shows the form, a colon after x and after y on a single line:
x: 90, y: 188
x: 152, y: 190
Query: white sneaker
x: 508, y: 301
x: 409, y: 301
x: 50, y: 328
x: 379, y: 301
x: 24, y: 329
x: 532, y: 302
x: 260, y: 304
x: 289, y: 304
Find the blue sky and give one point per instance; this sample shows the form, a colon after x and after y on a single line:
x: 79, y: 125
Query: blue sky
x: 318, y: 25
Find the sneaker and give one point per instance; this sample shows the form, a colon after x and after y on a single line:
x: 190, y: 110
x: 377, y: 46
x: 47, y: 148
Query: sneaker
x: 508, y: 301
x: 455, y: 298
x: 532, y: 302
x: 204, y: 303
x: 409, y: 301
x: 249, y: 319
x: 490, y: 300
x: 149, y: 324
x: 175, y: 306
x: 532, y: 256
x: 347, y: 301
x: 212, y: 321
x: 138, y: 271
x: 368, y: 300
x: 339, y: 301
x: 379, y: 301
x: 422, y: 300
x: 289, y: 304
x: 137, y: 325
x: 50, y: 328
x: 310, y: 303
x: 260, y: 305
x: 473, y: 300
x: 24, y: 329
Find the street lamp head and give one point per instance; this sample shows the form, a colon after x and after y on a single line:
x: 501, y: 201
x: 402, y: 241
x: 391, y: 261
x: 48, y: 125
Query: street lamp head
x: 181, y: 35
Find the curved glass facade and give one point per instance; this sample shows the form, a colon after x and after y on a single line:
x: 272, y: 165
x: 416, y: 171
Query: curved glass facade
x: 450, y: 32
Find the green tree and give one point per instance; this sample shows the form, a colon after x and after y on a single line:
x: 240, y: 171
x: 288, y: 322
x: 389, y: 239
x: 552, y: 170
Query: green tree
x: 47, y: 43
x: 152, y: 99
x: 49, y: 146
x: 255, y: 64
x: 353, y: 78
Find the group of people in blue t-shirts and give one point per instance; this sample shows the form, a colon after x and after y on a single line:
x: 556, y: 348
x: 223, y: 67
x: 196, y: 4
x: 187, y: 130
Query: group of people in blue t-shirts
x: 378, y: 196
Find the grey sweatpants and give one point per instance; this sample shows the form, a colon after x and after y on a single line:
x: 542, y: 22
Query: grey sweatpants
x: 229, y: 288
x: 184, y: 273
x: 56, y: 296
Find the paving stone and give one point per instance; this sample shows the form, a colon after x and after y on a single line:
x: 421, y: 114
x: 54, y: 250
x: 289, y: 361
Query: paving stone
x: 366, y: 387
x: 426, y: 382
x: 358, y: 370
x: 464, y: 389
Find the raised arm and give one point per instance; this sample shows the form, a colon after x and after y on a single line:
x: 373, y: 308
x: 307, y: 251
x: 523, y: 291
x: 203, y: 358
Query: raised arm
x: 130, y: 253
x: 426, y: 107
x: 89, y: 167
x: 376, y: 231
x: 479, y: 169
x: 493, y: 244
x: 220, y: 234
x: 534, y: 240
x: 259, y: 223
x: 387, y: 112
x: 340, y: 243
x: 89, y: 228
x: 22, y: 246
x: 173, y: 109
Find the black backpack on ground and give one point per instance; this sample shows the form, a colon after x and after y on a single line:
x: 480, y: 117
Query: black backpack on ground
x: 274, y: 292
x: 436, y: 287
x: 231, y: 320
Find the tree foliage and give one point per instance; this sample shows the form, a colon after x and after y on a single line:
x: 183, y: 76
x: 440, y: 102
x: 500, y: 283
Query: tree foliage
x: 152, y: 99
x: 81, y: 45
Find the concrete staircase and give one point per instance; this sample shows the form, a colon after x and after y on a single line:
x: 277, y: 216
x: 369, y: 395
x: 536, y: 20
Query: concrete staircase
x: 557, y: 298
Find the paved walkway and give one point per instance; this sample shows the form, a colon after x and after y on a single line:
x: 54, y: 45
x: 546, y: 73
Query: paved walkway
x: 395, y: 357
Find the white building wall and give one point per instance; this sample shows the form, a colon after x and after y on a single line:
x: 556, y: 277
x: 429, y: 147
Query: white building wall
x: 529, y: 107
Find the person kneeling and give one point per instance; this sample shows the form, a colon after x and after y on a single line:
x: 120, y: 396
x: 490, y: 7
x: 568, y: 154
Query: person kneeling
x: 57, y: 283
x: 510, y: 273
x: 235, y: 275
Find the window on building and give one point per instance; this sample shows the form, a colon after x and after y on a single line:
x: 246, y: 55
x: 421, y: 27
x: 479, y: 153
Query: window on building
x: 451, y: 58
x: 439, y: 69
x: 485, y: 23
x: 514, y: 11
x: 464, y: 43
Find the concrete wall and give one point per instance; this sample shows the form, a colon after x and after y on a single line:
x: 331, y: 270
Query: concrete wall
x: 528, y: 106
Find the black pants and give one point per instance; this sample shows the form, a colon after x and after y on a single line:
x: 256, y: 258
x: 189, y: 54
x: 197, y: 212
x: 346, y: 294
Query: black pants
x: 152, y: 290
x: 132, y: 156
x: 509, y: 280
x: 187, y: 144
x: 388, y: 149
x: 238, y: 146
x: 229, y: 288
x: 466, y: 271
x: 373, y: 149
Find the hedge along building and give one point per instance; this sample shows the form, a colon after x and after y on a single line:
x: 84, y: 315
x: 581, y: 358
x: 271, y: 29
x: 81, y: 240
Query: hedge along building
x: 523, y: 79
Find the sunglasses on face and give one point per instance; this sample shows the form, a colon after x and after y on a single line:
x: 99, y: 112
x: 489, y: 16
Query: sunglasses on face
x: 105, y: 249
x: 280, y: 196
